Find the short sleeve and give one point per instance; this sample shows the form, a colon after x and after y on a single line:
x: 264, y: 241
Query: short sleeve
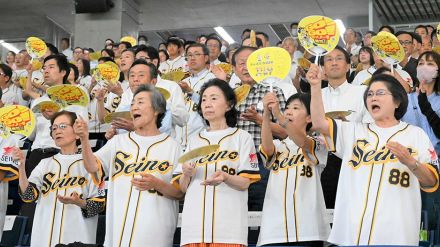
x: 177, y: 168
x: 36, y: 177
x: 341, y: 134
x: 428, y: 158
x: 269, y: 160
x: 95, y: 199
x: 105, y: 156
x: 317, y: 154
x: 248, y: 166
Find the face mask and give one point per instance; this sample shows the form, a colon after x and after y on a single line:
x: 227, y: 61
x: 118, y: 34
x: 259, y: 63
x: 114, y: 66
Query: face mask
x: 427, y: 73
x: 142, y: 42
x: 295, y: 32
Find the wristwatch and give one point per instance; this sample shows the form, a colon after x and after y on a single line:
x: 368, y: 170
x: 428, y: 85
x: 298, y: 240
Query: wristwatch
x: 417, y: 166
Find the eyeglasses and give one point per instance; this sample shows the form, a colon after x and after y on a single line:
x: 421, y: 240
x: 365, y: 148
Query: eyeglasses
x: 378, y: 93
x: 62, y: 126
x: 196, y: 55
x: 407, y: 42
x: 145, y: 58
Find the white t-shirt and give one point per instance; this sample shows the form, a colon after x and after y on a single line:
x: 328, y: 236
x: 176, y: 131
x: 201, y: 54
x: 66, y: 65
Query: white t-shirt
x: 138, y: 218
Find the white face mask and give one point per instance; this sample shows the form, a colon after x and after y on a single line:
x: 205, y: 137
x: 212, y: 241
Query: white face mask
x: 427, y: 73
x: 142, y: 42
x: 294, y: 32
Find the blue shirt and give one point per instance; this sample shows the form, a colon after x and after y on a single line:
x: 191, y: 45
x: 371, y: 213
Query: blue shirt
x: 415, y: 117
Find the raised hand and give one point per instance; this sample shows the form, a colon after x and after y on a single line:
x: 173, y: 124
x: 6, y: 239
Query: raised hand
x: 189, y: 169
x: 110, y: 133
x: 251, y: 114
x: 185, y: 87
x: 401, y: 152
x: 218, y: 72
x: 122, y: 123
x: 17, y: 155
x: 314, y: 75
x: 81, y: 128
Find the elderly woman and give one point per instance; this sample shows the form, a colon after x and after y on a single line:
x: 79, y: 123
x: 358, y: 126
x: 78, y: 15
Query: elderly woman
x: 294, y: 207
x: 67, y: 200
x: 384, y: 166
x: 424, y: 105
x: 141, y: 210
x: 215, y: 209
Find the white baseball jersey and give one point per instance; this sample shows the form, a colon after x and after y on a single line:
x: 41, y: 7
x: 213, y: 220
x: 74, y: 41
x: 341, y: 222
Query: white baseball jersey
x: 378, y: 200
x: 112, y: 101
x: 10, y: 167
x: 179, y: 63
x: 294, y: 207
x: 218, y: 214
x: 195, y: 122
x: 176, y: 102
x: 364, y: 76
x: 63, y: 223
x: 138, y: 218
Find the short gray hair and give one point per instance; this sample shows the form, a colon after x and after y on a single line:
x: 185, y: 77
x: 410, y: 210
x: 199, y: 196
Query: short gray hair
x: 158, y: 102
x: 295, y: 42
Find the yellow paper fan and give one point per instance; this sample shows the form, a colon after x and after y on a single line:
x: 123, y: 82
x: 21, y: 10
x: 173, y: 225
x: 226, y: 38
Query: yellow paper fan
x: 175, y: 76
x: 241, y: 93
x: 226, y: 67
x: 198, y: 152
x: 16, y: 119
x: 112, y: 116
x: 338, y: 115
